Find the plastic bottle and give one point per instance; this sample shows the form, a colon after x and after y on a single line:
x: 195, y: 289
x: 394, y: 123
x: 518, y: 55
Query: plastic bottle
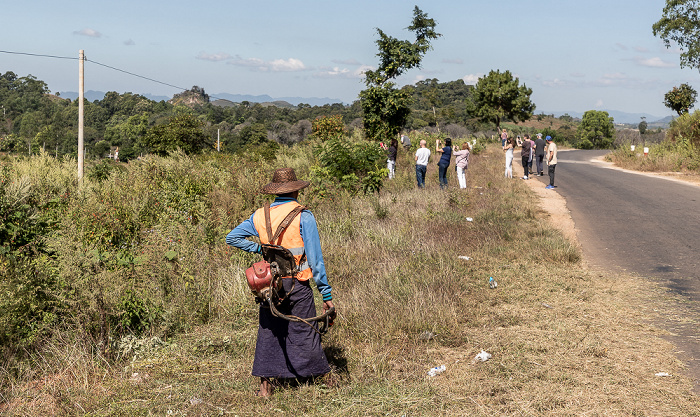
x: 492, y: 283
x: 437, y: 370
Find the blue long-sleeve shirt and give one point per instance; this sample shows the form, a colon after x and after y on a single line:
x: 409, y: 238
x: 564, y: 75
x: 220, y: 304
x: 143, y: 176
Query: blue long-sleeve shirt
x: 309, y: 234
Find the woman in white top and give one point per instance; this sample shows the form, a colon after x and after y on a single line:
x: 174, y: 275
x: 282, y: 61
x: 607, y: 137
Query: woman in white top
x: 461, y: 163
x: 508, y: 149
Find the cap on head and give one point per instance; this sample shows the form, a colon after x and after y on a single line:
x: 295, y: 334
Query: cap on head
x: 284, y: 181
x: 548, y: 138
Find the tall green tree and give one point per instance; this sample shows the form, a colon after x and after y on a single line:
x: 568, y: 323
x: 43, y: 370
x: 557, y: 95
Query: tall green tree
x: 385, y: 108
x: 183, y: 131
x: 680, y: 23
x: 681, y: 99
x: 498, y: 96
x: 597, y: 130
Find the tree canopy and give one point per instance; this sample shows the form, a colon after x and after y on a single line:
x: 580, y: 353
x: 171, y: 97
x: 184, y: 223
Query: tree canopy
x: 680, y: 23
x: 597, y: 130
x: 385, y: 108
x: 681, y: 99
x: 498, y: 96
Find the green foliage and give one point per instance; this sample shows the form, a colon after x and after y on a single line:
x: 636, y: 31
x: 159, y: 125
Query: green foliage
x: 681, y: 99
x: 328, y: 127
x: 685, y: 129
x: 642, y: 127
x: 498, y: 96
x: 183, y: 131
x: 680, y: 23
x: 386, y: 109
x: 596, y: 131
x: 353, y: 166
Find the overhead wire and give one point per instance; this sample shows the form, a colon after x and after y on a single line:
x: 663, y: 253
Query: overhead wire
x: 100, y: 64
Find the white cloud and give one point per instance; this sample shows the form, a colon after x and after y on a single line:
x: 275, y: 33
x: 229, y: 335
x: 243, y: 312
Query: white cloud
x: 654, y: 62
x: 350, y: 61
x: 554, y: 83
x: 286, y: 65
x: 214, y: 57
x: 599, y: 103
x: 256, y: 64
x: 338, y: 72
x: 91, y: 33
x: 616, y: 78
x: 471, y: 79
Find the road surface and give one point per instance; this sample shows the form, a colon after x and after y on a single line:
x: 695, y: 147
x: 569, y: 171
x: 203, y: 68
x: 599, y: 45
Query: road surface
x: 645, y: 224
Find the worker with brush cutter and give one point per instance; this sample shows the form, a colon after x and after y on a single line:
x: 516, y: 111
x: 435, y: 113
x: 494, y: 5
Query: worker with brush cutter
x: 289, y: 337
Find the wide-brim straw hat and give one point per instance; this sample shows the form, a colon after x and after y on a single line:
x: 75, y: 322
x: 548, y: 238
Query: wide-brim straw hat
x: 284, y: 181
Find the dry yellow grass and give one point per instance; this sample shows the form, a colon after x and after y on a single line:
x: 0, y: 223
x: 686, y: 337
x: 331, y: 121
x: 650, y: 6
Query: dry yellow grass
x: 564, y: 340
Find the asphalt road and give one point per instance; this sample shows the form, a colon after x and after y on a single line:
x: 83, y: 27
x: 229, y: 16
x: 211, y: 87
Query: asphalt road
x: 643, y: 224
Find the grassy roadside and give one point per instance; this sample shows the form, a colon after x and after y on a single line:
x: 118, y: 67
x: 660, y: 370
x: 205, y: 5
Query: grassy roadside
x: 564, y: 340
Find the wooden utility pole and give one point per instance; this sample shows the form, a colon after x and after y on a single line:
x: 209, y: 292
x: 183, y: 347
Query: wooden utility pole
x: 218, y: 141
x: 81, y: 97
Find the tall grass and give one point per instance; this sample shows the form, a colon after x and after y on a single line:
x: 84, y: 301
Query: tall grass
x: 564, y: 341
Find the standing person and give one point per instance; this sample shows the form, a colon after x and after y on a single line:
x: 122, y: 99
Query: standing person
x: 462, y: 163
x: 391, y: 162
x: 116, y: 155
x: 444, y: 161
x: 422, y: 157
x: 504, y: 137
x: 405, y: 141
x: 508, y: 149
x: 551, y: 161
x: 532, y: 154
x: 525, y: 155
x: 540, y: 146
x: 284, y: 349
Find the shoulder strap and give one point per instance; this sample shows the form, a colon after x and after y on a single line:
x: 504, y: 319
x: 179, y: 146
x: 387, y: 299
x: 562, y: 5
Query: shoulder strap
x: 268, y: 223
x: 283, y: 225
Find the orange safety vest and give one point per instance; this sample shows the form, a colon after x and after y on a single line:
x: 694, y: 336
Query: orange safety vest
x: 289, y: 239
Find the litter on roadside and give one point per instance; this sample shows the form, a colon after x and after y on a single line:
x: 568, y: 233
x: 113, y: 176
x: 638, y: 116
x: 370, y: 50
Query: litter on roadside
x: 436, y: 371
x: 492, y: 283
x: 547, y: 305
x: 466, y: 258
x: 662, y: 374
x: 469, y: 219
x: 483, y: 356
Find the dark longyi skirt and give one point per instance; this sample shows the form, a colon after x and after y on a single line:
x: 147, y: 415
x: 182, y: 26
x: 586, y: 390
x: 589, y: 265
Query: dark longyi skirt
x: 287, y: 349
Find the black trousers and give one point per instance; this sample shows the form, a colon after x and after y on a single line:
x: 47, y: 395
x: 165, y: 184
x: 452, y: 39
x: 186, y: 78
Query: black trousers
x: 551, y: 174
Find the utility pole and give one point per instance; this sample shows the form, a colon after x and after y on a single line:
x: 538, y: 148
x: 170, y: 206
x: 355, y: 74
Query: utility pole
x: 81, y: 96
x: 218, y: 141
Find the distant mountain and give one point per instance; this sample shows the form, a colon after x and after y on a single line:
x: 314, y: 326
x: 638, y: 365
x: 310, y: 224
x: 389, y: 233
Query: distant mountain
x: 238, y: 98
x: 92, y: 95
x: 619, y: 116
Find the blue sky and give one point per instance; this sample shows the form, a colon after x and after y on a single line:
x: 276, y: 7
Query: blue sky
x: 575, y: 55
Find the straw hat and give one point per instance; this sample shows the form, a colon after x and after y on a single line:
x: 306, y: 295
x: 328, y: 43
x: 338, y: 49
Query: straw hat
x: 284, y: 181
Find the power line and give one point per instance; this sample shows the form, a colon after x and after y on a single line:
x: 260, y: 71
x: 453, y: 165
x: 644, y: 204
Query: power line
x: 39, y: 55
x: 135, y: 75
x: 101, y: 64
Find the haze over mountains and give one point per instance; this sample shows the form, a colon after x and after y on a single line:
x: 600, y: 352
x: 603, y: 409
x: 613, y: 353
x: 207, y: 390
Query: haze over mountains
x: 619, y: 116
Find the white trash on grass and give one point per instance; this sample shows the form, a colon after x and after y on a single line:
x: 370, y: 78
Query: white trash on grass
x: 483, y: 356
x: 466, y: 258
x: 662, y: 374
x: 437, y: 370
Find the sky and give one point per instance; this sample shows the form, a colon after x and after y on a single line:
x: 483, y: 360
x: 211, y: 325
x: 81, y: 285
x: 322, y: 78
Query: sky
x: 574, y: 55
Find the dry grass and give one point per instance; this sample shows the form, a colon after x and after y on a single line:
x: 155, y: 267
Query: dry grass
x: 564, y: 340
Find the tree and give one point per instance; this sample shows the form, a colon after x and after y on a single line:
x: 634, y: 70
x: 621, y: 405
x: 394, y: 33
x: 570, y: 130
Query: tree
x: 680, y: 99
x: 386, y: 109
x: 642, y: 126
x: 499, y: 96
x: 680, y: 23
x: 597, y: 130
x: 183, y: 131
